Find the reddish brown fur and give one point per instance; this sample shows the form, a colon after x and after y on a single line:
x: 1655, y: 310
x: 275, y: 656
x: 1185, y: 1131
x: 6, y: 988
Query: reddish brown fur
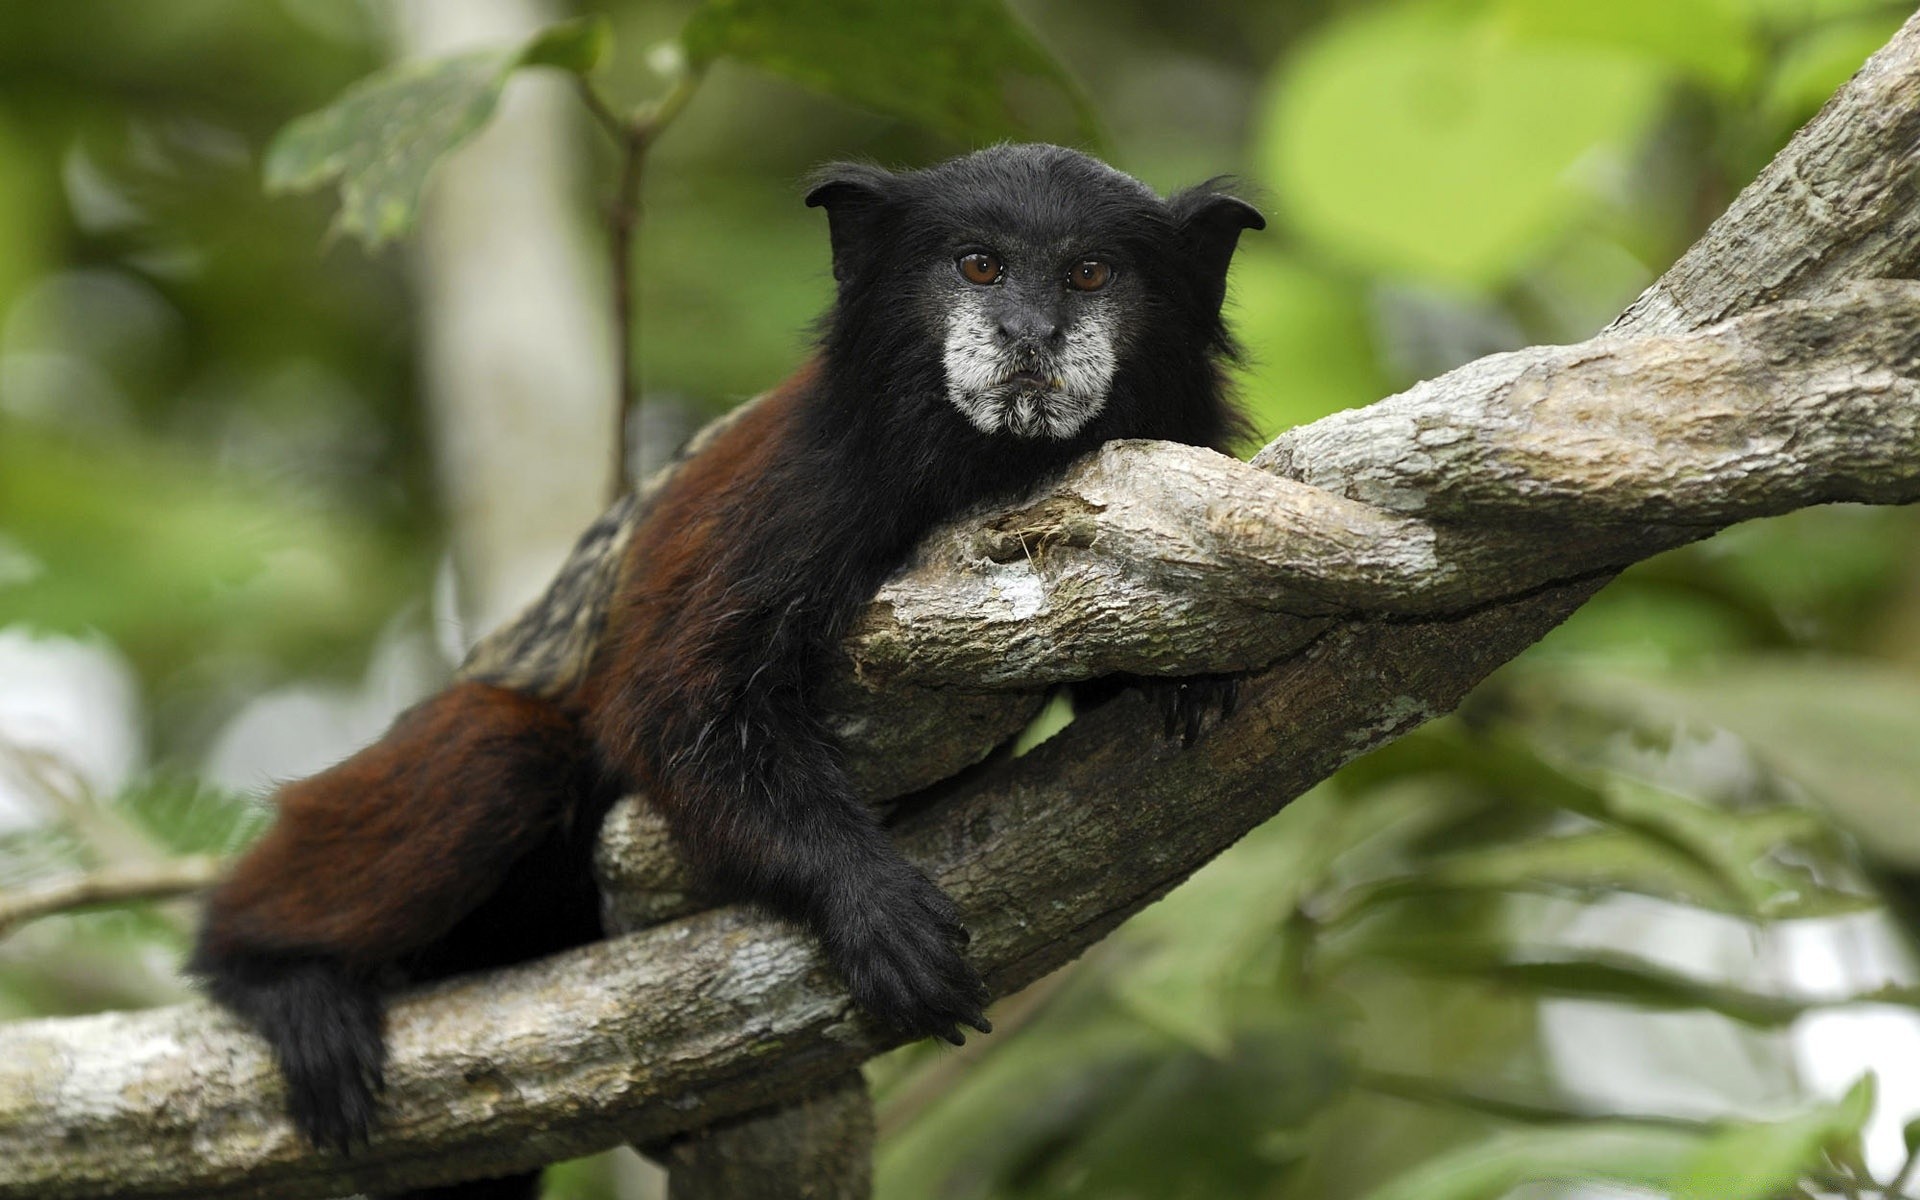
x: 383, y: 853
x: 663, y: 621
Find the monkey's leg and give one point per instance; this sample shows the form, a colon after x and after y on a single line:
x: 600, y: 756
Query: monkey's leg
x: 370, y: 862
x: 762, y: 807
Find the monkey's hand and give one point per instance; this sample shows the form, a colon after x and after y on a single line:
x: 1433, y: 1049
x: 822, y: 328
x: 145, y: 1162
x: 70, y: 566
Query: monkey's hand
x: 897, y: 940
x: 1185, y: 703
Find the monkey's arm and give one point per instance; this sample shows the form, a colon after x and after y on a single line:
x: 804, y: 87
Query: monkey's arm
x: 738, y: 587
x: 758, y: 801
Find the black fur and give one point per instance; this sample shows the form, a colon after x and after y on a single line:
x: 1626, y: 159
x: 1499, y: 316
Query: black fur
x: 325, y: 1029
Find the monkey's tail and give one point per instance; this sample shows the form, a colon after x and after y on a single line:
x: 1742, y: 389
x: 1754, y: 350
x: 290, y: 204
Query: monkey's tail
x: 323, y: 1025
x: 387, y: 865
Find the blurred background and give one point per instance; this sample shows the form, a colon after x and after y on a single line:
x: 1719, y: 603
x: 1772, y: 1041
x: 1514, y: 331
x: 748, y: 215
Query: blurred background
x: 260, y: 487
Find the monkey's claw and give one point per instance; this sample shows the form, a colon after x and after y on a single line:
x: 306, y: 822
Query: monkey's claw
x: 897, y: 943
x: 1185, y: 703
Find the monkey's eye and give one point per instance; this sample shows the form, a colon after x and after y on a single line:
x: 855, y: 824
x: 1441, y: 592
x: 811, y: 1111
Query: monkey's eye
x: 1090, y: 275
x: 980, y: 267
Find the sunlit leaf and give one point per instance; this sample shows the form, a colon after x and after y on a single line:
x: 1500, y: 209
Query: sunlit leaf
x: 578, y: 46
x: 1414, y: 140
x: 1306, y: 332
x: 1755, y: 1162
x: 382, y: 138
x: 1642, y: 1155
x: 967, y: 68
x: 1710, y: 40
x: 1814, y: 67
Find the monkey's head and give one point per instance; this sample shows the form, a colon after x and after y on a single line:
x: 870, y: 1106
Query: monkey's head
x: 1043, y: 294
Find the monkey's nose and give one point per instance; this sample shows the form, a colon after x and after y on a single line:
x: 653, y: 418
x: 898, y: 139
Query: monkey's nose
x: 1030, y: 331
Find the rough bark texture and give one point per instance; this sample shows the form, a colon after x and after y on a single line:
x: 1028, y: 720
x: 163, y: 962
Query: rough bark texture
x: 1388, y: 559
x: 820, y: 1147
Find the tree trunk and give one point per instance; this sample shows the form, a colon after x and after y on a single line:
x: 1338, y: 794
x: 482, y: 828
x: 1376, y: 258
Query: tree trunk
x: 819, y: 1147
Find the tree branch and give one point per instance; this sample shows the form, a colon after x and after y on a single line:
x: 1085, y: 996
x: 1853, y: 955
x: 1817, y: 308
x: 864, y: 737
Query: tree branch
x: 1394, y: 556
x: 158, y: 881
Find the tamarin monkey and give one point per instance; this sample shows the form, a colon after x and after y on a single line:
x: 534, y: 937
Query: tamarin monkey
x: 998, y: 315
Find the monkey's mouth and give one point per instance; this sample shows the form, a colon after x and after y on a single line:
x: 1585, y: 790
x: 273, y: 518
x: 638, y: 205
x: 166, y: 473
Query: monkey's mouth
x: 1030, y: 379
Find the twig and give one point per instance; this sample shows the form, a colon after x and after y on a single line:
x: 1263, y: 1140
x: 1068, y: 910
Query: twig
x: 634, y: 136
x: 1897, y: 1185
x: 165, y: 881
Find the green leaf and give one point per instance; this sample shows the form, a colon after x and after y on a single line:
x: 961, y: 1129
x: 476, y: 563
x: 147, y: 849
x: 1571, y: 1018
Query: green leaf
x: 186, y: 816
x: 1801, y: 14
x: 1709, y: 40
x: 1088, y: 1102
x: 1844, y: 730
x: 579, y: 46
x: 1414, y: 141
x: 1619, y: 978
x: 1612, y: 860
x: 1510, y: 765
x: 1600, y: 975
x: 1308, y: 336
x: 966, y: 68
x: 1813, y: 67
x: 1756, y: 1162
x: 1744, y: 1162
x: 383, y: 137
x: 1642, y: 1155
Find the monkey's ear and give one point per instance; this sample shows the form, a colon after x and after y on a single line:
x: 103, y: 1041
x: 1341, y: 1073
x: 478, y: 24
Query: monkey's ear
x: 1210, y: 220
x: 855, y: 196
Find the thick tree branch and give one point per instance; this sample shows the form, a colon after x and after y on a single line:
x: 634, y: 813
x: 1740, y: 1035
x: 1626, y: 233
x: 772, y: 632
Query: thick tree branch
x: 669, y: 1030
x: 1511, y: 473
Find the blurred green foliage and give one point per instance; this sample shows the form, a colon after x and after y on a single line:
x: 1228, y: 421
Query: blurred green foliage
x: 385, y: 134
x: 964, y: 68
x: 211, y: 455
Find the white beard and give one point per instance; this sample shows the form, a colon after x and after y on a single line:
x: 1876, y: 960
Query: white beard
x: 1079, y: 374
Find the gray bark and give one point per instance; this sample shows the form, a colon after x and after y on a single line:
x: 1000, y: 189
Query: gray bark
x: 819, y: 1147
x: 1383, y: 561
